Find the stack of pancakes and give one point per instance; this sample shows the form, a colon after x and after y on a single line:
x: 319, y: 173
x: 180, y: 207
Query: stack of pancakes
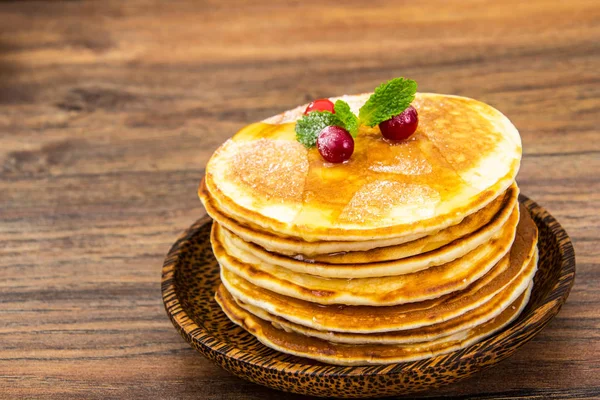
x: 408, y: 250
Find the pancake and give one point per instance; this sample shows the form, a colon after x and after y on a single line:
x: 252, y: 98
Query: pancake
x: 368, y: 319
x: 344, y: 354
x: 463, y: 155
x: 415, y: 260
x: 344, y: 252
x: 418, y: 286
x: 470, y: 319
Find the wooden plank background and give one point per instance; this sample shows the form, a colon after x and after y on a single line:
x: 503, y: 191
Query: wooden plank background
x: 110, y: 109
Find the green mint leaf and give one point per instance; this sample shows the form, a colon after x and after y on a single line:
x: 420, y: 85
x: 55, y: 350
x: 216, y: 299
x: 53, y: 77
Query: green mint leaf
x: 348, y: 120
x: 309, y: 126
x: 388, y: 100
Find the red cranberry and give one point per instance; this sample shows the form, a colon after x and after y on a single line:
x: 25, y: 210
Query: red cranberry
x: 320, y: 105
x: 335, y: 144
x: 401, y: 126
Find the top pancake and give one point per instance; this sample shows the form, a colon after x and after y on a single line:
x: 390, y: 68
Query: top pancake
x: 462, y: 156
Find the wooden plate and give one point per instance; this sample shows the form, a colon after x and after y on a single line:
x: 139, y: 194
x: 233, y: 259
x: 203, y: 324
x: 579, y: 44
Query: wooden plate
x: 191, y: 275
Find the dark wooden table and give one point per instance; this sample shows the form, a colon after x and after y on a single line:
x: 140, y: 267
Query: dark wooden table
x: 109, y: 111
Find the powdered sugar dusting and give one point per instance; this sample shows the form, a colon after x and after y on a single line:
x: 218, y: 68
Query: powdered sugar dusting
x: 275, y: 168
x: 404, y: 166
x: 374, y: 200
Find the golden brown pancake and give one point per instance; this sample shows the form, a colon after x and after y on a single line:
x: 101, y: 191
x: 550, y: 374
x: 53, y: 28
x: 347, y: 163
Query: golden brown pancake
x: 463, y: 155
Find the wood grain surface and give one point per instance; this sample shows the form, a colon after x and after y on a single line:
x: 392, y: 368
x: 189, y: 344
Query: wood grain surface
x: 109, y: 111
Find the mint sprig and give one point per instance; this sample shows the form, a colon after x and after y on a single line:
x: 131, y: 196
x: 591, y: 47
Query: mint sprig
x: 346, y: 117
x: 388, y: 100
x: 309, y: 126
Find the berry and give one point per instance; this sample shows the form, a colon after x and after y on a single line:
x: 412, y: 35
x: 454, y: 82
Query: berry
x: 320, y: 105
x: 401, y: 126
x: 335, y: 144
